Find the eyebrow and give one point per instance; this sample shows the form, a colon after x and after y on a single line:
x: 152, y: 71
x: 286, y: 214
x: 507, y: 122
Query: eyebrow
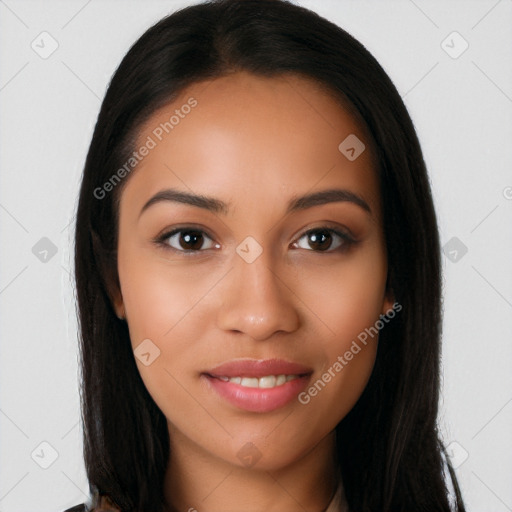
x: 296, y: 203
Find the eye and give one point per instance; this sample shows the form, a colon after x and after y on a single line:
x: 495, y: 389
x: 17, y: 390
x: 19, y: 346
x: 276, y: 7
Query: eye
x: 324, y: 239
x: 192, y: 240
x: 186, y: 240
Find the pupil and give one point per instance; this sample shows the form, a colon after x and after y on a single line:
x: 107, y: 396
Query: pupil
x: 318, y: 241
x: 192, y: 239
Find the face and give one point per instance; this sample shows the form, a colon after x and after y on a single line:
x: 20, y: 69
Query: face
x: 231, y: 250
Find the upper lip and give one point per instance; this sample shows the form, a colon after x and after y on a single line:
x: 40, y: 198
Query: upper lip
x: 258, y: 368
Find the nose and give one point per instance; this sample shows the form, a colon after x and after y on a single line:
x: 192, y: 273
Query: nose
x: 257, y: 300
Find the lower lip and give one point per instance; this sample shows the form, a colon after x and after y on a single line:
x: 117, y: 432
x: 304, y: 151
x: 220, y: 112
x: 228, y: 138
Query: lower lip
x: 258, y: 399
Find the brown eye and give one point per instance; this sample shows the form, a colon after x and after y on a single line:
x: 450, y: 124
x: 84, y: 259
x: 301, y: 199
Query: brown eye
x: 320, y: 240
x: 187, y: 240
x: 191, y: 240
x: 324, y: 240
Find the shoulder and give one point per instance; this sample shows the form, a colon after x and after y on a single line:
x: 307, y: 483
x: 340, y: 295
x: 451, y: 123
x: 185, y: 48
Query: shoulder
x: 77, y: 508
x: 104, y: 505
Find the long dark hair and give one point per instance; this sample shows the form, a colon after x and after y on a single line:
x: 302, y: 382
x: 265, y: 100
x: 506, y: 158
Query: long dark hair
x: 388, y: 446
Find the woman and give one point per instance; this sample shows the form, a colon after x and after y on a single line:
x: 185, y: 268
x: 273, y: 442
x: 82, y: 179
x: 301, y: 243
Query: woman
x: 258, y: 276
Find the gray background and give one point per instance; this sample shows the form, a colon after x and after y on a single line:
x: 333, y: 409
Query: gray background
x: 461, y: 104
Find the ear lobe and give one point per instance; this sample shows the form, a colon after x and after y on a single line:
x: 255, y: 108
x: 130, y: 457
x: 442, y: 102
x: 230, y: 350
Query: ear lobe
x: 389, y: 300
x: 120, y: 313
x: 118, y: 305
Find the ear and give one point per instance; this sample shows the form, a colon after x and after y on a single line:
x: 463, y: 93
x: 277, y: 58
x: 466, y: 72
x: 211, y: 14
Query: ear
x: 118, y: 304
x: 108, y: 274
x: 389, y: 299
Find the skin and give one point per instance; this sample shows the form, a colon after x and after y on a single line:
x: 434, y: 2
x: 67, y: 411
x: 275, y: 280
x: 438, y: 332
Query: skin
x: 253, y: 143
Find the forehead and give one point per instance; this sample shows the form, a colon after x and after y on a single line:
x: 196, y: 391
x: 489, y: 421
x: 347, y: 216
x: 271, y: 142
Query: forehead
x: 250, y: 139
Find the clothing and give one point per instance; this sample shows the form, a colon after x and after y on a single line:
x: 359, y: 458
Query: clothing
x: 105, y: 505
x: 338, y: 502
x: 77, y: 508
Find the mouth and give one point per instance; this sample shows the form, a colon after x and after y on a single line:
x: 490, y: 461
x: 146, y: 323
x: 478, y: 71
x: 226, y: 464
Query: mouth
x: 258, y: 385
x: 265, y: 382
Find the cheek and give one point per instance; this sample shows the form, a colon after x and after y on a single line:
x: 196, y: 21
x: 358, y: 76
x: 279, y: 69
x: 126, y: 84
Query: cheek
x: 346, y: 296
x: 158, y: 298
x: 165, y: 309
x: 347, y: 301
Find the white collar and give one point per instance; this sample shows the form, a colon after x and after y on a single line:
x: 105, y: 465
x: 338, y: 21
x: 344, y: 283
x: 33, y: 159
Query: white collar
x: 338, y: 502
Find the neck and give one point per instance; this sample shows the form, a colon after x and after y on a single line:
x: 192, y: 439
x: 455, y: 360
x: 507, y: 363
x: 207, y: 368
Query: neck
x: 197, y: 481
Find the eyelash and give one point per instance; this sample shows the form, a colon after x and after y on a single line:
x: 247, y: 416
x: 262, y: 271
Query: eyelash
x: 161, y: 241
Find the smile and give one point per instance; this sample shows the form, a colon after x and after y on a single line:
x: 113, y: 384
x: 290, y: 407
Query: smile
x: 268, y: 381
x: 256, y: 394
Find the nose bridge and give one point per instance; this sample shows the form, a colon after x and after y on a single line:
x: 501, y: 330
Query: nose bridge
x: 257, y: 301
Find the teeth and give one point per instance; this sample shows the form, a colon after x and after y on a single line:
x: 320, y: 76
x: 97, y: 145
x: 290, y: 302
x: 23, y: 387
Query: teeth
x: 269, y: 381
